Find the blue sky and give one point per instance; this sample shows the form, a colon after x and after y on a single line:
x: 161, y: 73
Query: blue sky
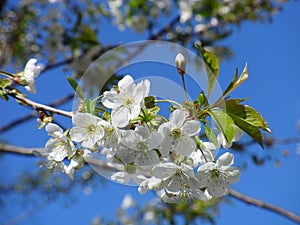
x: 272, y: 53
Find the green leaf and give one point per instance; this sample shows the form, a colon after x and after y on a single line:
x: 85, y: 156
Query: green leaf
x: 236, y: 81
x: 247, y: 113
x: 211, y: 66
x: 211, y: 135
x: 224, y: 122
x: 5, y: 82
x: 250, y: 129
x: 76, y: 88
x: 90, y: 106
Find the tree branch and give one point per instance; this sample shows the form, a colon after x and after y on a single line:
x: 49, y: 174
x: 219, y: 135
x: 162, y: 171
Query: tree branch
x: 33, y: 113
x: 235, y: 194
x: 258, y: 203
x: 38, y: 106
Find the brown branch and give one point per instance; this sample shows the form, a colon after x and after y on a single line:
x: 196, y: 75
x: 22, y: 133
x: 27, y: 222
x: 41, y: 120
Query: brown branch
x: 38, y: 106
x: 31, y: 115
x: 258, y: 203
x: 18, y: 150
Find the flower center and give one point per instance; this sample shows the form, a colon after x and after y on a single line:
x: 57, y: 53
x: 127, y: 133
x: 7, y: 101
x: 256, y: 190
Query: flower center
x: 176, y: 133
x: 142, y: 145
x: 128, y: 101
x: 91, y: 128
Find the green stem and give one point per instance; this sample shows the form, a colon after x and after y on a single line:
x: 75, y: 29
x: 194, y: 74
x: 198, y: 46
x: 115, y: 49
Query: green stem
x: 170, y: 101
x: 6, y: 74
x: 184, y: 87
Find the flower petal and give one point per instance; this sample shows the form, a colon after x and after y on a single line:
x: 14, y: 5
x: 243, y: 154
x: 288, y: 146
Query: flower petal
x: 191, y: 128
x: 185, y: 146
x: 177, y: 118
x: 120, y: 117
x: 126, y: 84
x: 225, y: 160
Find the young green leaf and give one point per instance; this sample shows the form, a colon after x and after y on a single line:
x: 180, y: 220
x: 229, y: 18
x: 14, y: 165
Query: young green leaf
x: 236, y: 81
x: 211, y: 66
x: 224, y: 123
x: 90, y: 106
x: 76, y: 88
x: 247, y: 113
x: 250, y: 129
x: 211, y: 135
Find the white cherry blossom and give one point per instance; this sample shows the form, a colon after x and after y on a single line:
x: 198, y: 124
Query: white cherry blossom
x: 87, y: 130
x: 177, y: 134
x: 126, y: 102
x: 59, y: 146
x: 216, y: 176
x: 31, y: 71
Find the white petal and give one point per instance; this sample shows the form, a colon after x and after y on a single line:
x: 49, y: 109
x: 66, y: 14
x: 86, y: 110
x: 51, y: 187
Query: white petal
x: 233, y: 174
x: 164, y: 170
x: 138, y: 179
x: 150, y: 158
x: 54, y: 130
x: 84, y: 119
x: 166, y: 146
x: 111, y: 99
x: 121, y: 177
x: 126, y: 84
x: 120, y: 117
x: 155, y: 140
x: 77, y: 134
x: 141, y: 90
x: 198, y: 194
x: 164, y: 129
x: 225, y: 160
x: 185, y: 146
x: 134, y: 110
x: 191, y: 128
x: 217, y: 189
x: 237, y: 135
x: 177, y: 118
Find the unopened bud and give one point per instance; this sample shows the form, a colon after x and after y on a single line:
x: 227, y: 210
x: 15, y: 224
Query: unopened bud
x: 180, y: 63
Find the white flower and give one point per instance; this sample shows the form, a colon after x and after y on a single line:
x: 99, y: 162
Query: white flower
x: 126, y: 102
x: 87, y: 130
x: 177, y: 134
x: 141, y: 144
x: 31, y: 71
x: 203, y: 155
x: 180, y: 63
x: 59, y: 146
x: 141, y: 139
x: 237, y: 136
x: 216, y: 177
x: 76, y: 162
x: 176, y: 181
x: 127, y: 175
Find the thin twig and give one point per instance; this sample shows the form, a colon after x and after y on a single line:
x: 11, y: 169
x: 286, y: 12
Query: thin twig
x: 258, y: 203
x: 31, y: 115
x: 38, y: 106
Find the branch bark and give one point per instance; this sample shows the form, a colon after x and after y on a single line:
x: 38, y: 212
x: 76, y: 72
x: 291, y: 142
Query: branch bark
x: 39, y: 106
x: 260, y: 204
x: 33, y: 114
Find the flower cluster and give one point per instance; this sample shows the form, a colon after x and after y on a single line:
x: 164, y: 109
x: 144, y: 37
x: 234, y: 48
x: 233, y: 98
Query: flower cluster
x: 144, y: 148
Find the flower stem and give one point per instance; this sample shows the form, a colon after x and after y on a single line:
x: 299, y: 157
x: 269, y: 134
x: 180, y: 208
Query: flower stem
x: 184, y: 87
x: 170, y: 101
x: 6, y: 74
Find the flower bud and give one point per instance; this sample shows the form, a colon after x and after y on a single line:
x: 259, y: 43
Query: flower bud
x: 180, y: 63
